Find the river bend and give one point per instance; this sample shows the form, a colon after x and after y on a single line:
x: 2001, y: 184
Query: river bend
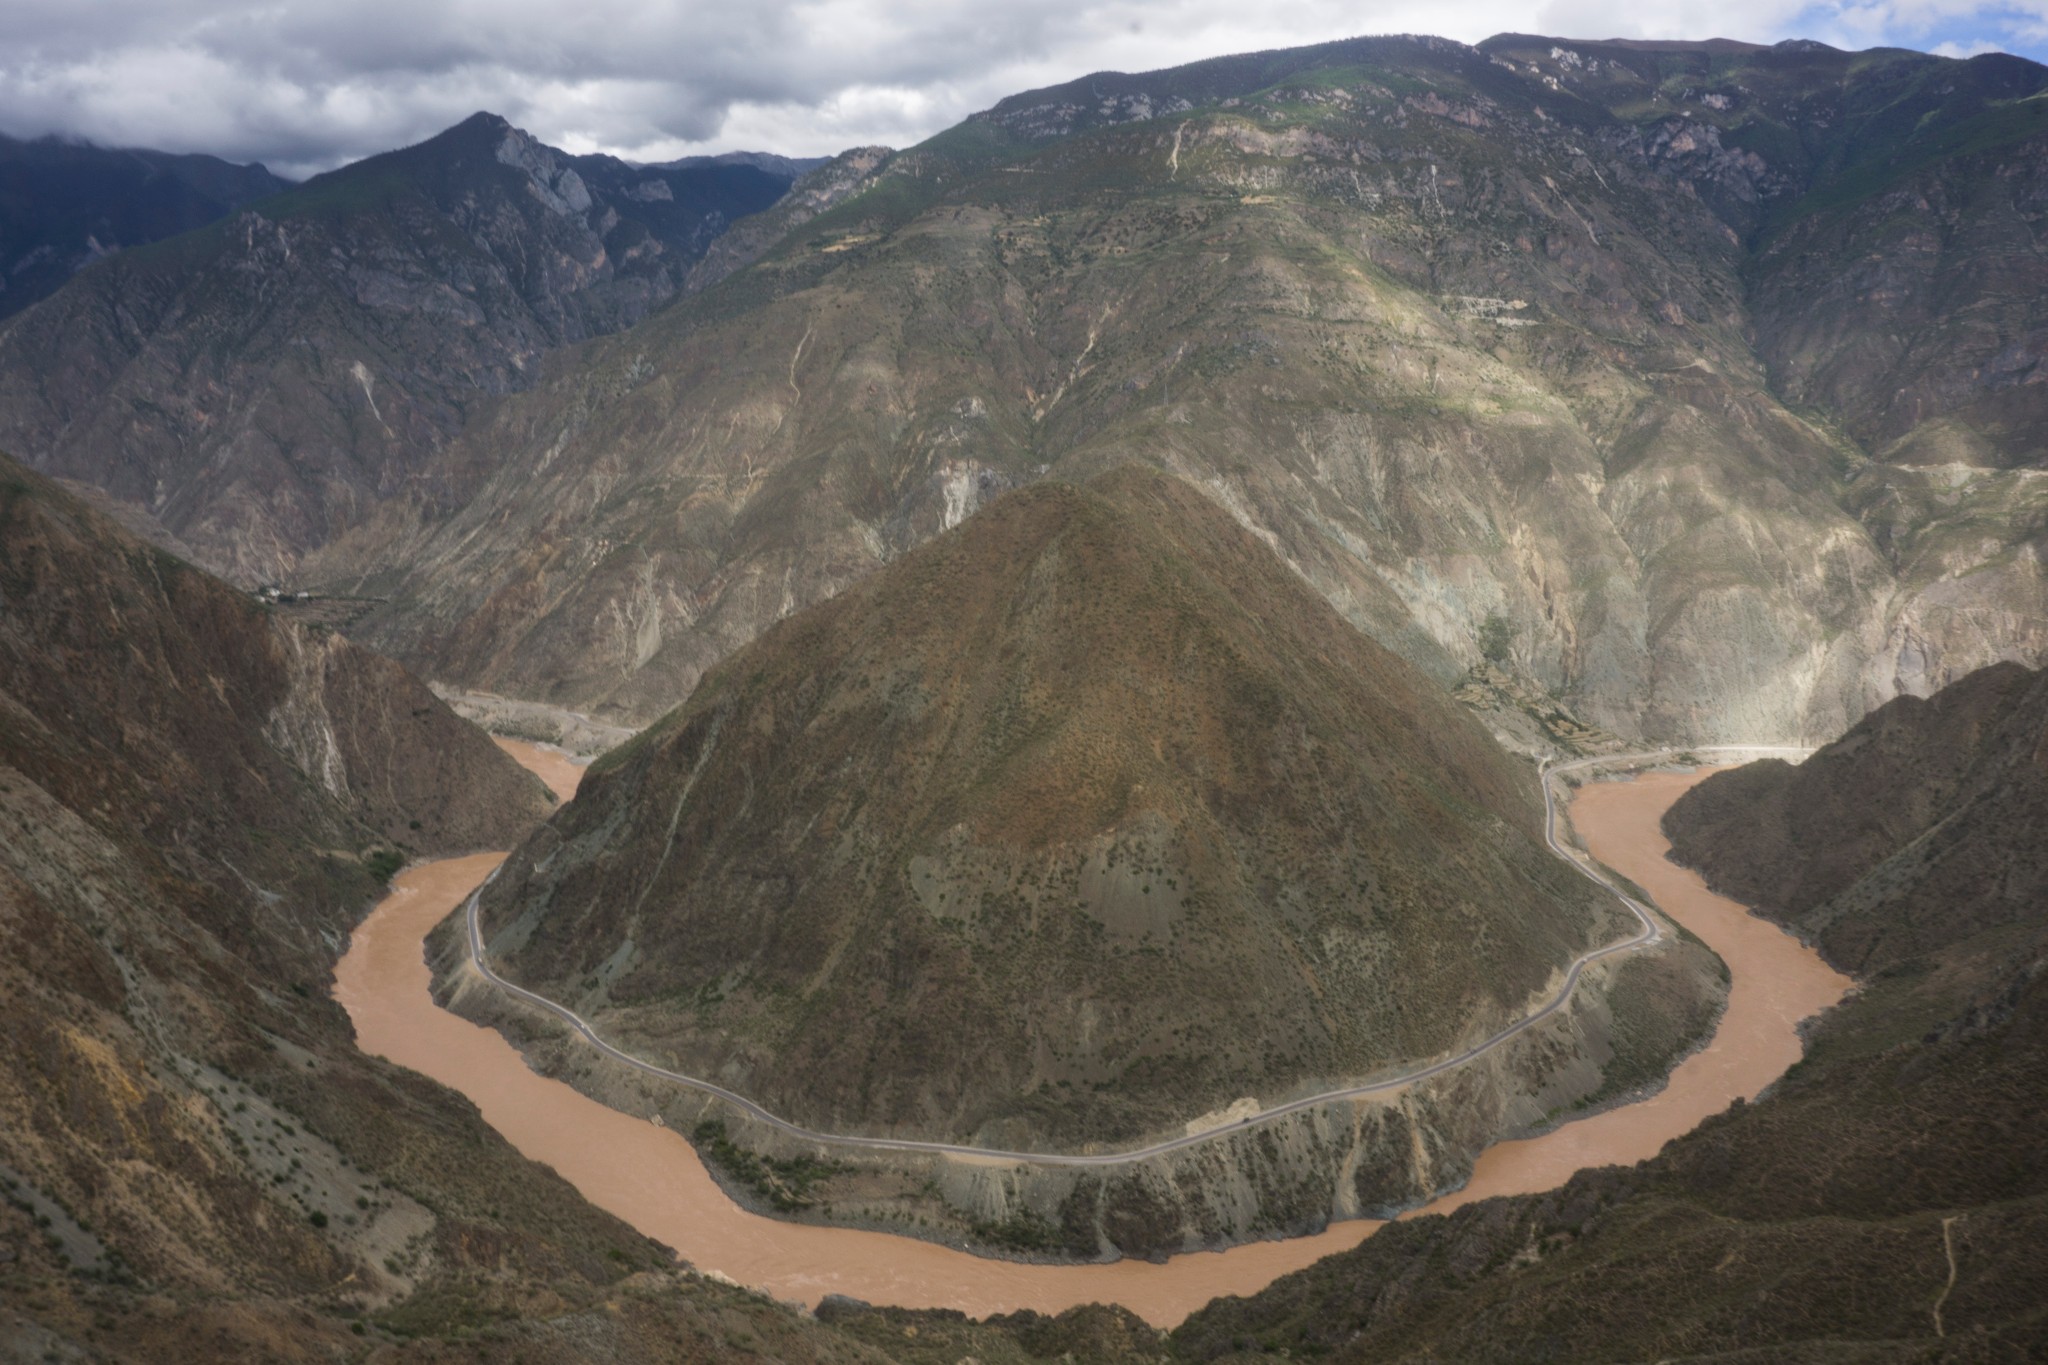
x: 652, y: 1178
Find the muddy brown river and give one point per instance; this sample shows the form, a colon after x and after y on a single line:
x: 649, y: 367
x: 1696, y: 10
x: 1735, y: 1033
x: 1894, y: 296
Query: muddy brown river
x: 651, y: 1177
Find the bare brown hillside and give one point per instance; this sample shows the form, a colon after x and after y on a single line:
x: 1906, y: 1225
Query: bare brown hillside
x: 1082, y: 820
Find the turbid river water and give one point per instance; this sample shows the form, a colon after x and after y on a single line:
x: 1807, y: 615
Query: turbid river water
x: 651, y: 1177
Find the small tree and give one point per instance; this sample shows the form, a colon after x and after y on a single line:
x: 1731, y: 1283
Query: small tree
x: 1495, y: 636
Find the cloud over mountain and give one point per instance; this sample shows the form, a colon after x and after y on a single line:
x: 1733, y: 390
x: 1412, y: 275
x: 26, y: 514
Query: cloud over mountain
x: 305, y: 86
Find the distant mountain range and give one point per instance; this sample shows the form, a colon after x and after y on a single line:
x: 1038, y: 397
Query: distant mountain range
x: 789, y: 167
x: 1043, y: 559
x: 64, y: 205
x: 262, y: 384
x: 1524, y: 334
x: 1703, y: 376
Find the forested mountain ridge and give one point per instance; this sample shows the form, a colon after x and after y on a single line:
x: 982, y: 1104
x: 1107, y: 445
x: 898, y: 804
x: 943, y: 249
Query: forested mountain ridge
x: 66, y: 204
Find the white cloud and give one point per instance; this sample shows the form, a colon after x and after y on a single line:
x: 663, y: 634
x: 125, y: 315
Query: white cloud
x: 305, y: 85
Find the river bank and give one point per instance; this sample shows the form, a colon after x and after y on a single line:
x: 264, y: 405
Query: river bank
x: 650, y: 1176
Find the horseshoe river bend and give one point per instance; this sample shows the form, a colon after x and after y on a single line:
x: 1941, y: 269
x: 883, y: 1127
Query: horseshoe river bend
x: 651, y: 1177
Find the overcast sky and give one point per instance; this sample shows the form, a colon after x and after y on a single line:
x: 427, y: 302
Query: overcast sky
x: 305, y: 85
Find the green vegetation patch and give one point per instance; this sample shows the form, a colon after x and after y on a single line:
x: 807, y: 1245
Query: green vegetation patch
x: 444, y: 1310
x: 787, y: 1185
x: 1997, y: 127
x: 368, y: 187
x: 383, y: 864
x: 1026, y: 1231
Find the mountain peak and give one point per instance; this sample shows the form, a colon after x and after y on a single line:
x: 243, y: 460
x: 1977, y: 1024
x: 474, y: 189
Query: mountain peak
x: 482, y: 121
x: 481, y: 131
x: 1097, y: 740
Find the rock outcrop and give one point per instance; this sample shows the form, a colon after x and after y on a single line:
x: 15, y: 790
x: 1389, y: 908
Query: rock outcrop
x: 128, y: 670
x: 816, y: 190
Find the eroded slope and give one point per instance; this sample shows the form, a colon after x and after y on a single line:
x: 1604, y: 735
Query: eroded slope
x: 1919, y: 825
x: 1472, y: 338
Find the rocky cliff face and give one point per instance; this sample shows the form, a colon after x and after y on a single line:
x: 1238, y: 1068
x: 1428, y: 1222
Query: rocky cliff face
x: 64, y: 205
x: 262, y: 385
x: 1919, y: 826
x: 207, y: 712
x: 1895, y: 298
x: 1621, y: 1030
x: 1466, y: 335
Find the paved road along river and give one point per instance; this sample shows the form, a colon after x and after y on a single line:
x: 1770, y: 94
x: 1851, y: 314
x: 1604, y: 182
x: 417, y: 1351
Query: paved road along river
x: 652, y: 1178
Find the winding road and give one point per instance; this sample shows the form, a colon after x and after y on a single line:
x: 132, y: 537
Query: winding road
x: 1648, y: 934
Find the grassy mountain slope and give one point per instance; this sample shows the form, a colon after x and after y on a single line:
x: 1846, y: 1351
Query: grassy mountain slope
x: 1886, y: 1201
x: 1952, y: 847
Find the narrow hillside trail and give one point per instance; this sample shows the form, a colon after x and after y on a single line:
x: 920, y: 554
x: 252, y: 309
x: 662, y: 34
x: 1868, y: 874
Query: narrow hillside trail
x: 651, y: 1177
